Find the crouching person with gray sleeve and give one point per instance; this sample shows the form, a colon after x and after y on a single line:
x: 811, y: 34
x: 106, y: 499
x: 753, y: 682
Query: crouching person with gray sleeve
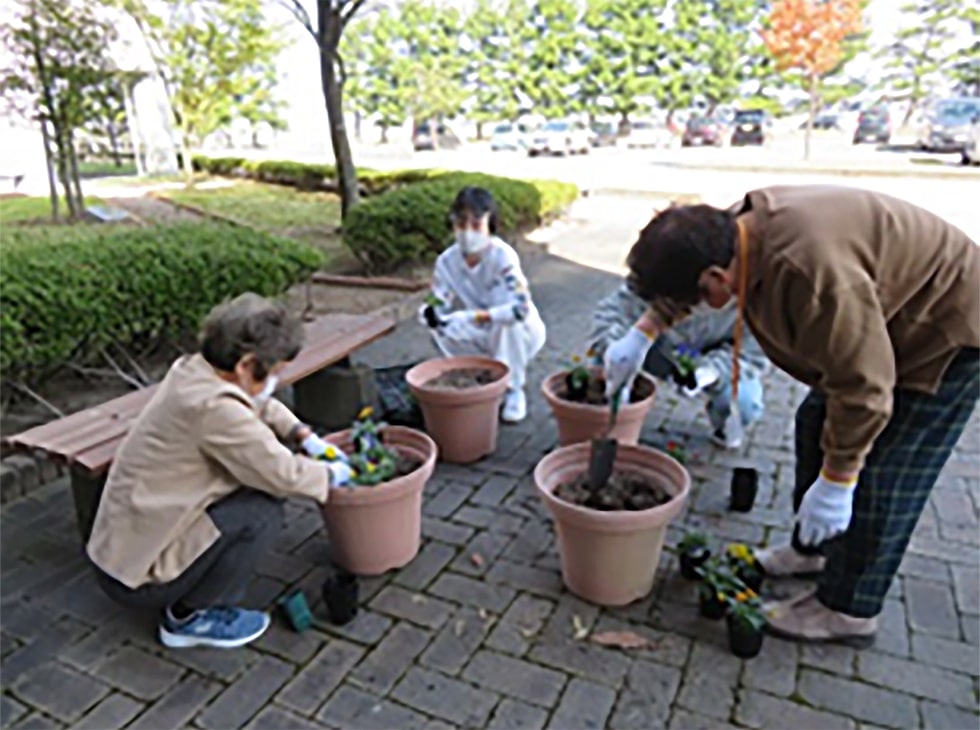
x: 696, y: 354
x: 194, y: 496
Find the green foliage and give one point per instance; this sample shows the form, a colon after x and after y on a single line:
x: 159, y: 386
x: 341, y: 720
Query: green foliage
x: 57, y: 70
x: 409, y: 224
x: 372, y: 462
x: 311, y: 176
x: 67, y: 291
x: 217, y: 58
x: 920, y: 54
x: 29, y: 208
x: 693, y: 539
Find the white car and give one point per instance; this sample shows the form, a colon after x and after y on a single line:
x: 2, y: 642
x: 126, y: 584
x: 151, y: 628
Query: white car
x: 647, y: 134
x: 560, y: 138
x: 507, y: 136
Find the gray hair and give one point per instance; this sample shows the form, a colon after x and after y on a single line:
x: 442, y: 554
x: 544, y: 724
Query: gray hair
x: 250, y: 325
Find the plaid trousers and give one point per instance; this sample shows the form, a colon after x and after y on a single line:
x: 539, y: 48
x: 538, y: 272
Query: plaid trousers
x: 893, y: 487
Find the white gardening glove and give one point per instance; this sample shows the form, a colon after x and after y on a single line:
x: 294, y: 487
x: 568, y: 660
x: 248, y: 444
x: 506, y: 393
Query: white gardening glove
x: 340, y: 473
x: 623, y: 360
x: 319, y: 448
x: 456, y: 325
x: 703, y: 377
x: 825, y: 510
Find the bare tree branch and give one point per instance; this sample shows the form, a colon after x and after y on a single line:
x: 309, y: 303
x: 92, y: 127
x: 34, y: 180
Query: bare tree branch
x: 299, y: 12
x: 28, y: 392
x: 352, y: 9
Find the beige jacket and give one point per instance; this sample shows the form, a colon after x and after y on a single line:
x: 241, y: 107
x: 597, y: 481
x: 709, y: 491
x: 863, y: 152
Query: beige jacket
x: 197, y: 441
x: 856, y: 293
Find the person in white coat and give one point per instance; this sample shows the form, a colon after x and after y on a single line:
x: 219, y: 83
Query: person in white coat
x: 480, y: 302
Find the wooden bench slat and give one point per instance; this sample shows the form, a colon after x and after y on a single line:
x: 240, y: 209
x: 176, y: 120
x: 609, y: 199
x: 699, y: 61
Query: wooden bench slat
x: 331, y: 341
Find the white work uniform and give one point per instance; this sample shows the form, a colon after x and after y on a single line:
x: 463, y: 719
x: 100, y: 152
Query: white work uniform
x: 515, y: 332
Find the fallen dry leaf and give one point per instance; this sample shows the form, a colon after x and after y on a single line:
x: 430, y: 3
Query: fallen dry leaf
x: 581, y: 630
x: 484, y: 613
x: 458, y: 629
x: 416, y: 598
x: 527, y: 633
x: 477, y: 560
x: 622, y: 640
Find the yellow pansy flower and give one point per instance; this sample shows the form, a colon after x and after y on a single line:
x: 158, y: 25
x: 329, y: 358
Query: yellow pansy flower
x: 366, y: 412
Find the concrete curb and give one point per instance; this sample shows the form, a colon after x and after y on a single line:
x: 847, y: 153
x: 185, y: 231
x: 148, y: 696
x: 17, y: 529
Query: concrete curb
x: 925, y: 172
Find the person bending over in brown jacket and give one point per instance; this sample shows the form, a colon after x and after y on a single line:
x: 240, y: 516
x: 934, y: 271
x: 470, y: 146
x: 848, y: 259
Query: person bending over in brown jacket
x: 194, y: 496
x: 875, y: 304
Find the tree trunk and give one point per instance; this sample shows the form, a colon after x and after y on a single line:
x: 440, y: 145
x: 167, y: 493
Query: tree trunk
x: 49, y: 167
x: 63, y: 174
x: 479, y: 131
x: 357, y: 124
x: 114, y: 144
x: 186, y: 163
x: 384, y: 133
x: 76, y: 183
x: 810, y: 116
x: 328, y: 40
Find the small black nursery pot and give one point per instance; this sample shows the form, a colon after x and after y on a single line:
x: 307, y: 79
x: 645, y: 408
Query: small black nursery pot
x: 578, y: 388
x: 750, y: 576
x: 709, y: 605
x: 340, y: 596
x: 744, y: 639
x: 745, y: 486
x: 692, y: 559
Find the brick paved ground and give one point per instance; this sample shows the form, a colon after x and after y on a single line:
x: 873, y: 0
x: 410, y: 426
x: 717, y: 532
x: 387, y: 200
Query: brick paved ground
x: 453, y: 642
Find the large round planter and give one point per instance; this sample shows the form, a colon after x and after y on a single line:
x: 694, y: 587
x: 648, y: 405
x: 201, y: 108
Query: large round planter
x: 583, y: 422
x: 375, y: 529
x: 610, y: 558
x: 463, y: 422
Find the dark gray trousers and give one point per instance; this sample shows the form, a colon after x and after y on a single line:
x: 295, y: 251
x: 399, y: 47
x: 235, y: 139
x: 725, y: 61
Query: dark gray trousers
x: 249, y: 522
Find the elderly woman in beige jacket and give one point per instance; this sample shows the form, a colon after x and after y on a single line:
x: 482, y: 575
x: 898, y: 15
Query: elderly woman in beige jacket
x: 176, y: 529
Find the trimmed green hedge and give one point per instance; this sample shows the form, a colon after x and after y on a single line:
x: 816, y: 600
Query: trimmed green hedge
x: 309, y: 176
x: 411, y: 224
x: 66, y: 291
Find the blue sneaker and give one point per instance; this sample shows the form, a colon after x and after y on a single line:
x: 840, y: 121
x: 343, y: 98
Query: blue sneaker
x: 224, y: 628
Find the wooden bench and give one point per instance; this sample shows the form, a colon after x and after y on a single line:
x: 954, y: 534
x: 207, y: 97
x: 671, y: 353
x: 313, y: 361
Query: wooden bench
x: 86, y: 441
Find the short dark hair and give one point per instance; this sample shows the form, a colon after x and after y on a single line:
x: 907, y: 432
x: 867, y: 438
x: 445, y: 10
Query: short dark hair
x: 675, y: 248
x: 251, y: 325
x: 475, y: 201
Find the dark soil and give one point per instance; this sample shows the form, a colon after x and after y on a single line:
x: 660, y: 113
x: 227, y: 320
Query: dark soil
x: 623, y: 492
x: 596, y: 394
x: 405, y: 466
x: 462, y: 379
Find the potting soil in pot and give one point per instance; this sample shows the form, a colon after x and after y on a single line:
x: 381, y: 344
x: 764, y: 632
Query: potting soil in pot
x: 462, y: 379
x: 596, y: 393
x: 623, y: 491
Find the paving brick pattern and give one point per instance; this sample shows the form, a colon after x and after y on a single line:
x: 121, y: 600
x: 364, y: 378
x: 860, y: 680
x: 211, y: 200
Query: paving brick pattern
x: 455, y: 640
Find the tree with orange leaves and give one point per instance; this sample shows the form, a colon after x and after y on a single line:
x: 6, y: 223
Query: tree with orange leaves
x: 809, y: 36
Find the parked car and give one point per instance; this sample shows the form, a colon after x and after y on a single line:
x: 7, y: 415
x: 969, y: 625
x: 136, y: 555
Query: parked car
x: 645, y: 133
x: 947, y: 125
x: 971, y: 152
x: 873, y: 125
x: 422, y: 138
x: 824, y: 120
x: 751, y: 127
x: 703, y: 131
x: 560, y: 138
x: 507, y: 136
x: 604, y: 134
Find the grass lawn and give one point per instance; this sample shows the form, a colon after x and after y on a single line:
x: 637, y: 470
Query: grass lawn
x: 105, y: 168
x: 13, y: 210
x: 312, y: 217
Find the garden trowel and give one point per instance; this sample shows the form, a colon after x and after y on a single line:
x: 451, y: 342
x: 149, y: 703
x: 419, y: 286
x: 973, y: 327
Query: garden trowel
x: 603, y: 455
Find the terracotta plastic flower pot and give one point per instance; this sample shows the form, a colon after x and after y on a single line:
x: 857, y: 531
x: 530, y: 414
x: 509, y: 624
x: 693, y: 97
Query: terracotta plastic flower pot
x: 378, y: 528
x: 610, y: 557
x: 583, y: 421
x: 463, y: 422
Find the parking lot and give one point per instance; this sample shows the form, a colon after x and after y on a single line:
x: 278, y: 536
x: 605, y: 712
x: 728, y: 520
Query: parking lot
x: 721, y: 175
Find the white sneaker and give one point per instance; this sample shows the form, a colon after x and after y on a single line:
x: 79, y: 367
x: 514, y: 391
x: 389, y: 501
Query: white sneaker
x: 515, y: 406
x: 721, y: 439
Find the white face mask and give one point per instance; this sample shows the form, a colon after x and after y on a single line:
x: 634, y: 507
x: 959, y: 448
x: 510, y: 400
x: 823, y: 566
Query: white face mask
x: 271, y: 383
x: 472, y: 242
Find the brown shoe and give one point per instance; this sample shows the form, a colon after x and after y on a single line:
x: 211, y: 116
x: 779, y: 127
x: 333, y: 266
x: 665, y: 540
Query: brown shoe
x: 784, y: 562
x: 804, y: 618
